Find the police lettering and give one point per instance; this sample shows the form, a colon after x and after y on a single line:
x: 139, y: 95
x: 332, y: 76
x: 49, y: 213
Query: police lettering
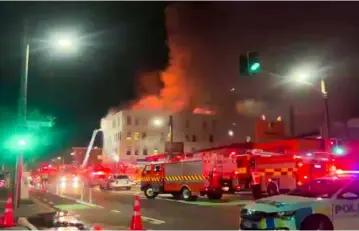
x: 345, y: 209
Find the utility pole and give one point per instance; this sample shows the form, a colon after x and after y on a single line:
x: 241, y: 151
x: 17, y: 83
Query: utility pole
x: 291, y: 120
x: 22, y: 122
x: 326, y: 108
x: 171, y: 135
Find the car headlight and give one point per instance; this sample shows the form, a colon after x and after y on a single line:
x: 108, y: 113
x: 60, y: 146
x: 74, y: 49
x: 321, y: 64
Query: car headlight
x: 285, y: 214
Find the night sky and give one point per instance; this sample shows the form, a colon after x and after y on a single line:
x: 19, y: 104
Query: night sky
x: 122, y: 40
x: 118, y: 40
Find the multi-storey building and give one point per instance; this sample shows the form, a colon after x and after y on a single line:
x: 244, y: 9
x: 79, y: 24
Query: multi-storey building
x: 78, y: 156
x: 131, y: 135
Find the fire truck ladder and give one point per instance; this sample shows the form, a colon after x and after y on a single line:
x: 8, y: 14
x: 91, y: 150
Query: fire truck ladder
x: 89, y: 148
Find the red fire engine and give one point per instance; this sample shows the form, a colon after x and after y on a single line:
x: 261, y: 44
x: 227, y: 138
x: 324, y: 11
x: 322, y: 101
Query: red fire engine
x: 274, y: 173
x: 208, y: 172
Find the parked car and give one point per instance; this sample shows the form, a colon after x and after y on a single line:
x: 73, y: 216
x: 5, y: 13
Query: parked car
x: 115, y: 182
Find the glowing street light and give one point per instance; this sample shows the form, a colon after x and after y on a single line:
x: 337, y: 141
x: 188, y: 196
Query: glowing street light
x: 303, y: 75
x: 230, y: 133
x: 157, y: 122
x: 59, y: 157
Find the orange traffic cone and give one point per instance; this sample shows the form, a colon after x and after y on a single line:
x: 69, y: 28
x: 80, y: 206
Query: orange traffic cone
x: 8, y: 218
x: 136, y: 221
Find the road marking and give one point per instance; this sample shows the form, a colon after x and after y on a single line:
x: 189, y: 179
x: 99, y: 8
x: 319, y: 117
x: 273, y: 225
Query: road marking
x: 152, y: 220
x: 115, y: 211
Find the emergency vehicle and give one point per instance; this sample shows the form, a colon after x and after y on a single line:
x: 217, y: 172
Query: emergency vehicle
x: 275, y: 173
x: 327, y: 203
x: 208, y: 172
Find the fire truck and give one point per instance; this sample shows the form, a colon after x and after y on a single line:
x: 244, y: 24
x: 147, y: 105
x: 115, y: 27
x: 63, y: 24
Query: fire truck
x: 208, y: 172
x: 274, y: 173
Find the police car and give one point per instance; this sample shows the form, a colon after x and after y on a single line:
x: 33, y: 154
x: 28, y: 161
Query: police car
x: 327, y: 203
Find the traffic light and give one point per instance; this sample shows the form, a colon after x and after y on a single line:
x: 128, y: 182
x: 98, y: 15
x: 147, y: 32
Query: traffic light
x: 243, y: 65
x: 249, y: 64
x: 338, y: 150
x: 337, y: 147
x: 254, y: 65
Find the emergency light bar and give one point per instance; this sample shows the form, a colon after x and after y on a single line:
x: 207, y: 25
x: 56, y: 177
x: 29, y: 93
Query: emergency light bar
x: 346, y: 172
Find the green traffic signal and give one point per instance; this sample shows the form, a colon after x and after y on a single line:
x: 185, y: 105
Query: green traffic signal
x: 249, y: 64
x: 338, y: 150
x: 22, y: 142
x: 255, y: 66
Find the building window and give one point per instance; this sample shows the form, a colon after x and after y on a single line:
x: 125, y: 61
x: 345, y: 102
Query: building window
x: 128, y: 152
x: 136, y: 136
x: 137, y: 121
x: 119, y: 136
x: 114, y: 123
x: 144, y: 135
x: 162, y: 136
x: 204, y: 125
x: 119, y: 121
x: 128, y: 137
x: 187, y: 138
x: 155, y: 151
x: 194, y: 138
x: 129, y: 120
x: 187, y: 123
x: 211, y: 138
x: 136, y: 152
x: 145, y: 151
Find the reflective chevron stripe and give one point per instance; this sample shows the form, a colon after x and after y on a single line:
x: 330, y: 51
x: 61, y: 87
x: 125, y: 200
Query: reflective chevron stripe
x: 277, y: 171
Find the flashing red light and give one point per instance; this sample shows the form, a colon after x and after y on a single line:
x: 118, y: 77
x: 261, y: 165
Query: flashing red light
x: 233, y: 153
x: 297, y: 157
x: 299, y: 183
x: 305, y: 177
x: 300, y: 164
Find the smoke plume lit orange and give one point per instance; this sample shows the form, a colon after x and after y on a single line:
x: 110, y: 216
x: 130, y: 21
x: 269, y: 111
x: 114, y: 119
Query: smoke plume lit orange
x: 173, y: 96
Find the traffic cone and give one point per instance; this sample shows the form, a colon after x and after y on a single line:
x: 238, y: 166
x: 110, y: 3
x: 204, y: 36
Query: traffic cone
x: 8, y: 218
x: 136, y: 221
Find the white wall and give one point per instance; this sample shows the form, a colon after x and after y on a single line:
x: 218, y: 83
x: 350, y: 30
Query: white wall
x: 133, y: 124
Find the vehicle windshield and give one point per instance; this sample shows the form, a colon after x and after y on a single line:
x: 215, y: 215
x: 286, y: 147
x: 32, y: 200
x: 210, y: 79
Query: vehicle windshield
x: 120, y: 177
x: 324, y: 188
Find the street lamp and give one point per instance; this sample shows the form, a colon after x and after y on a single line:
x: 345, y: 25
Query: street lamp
x: 158, y: 122
x: 303, y: 75
x: 230, y: 133
x: 61, y: 43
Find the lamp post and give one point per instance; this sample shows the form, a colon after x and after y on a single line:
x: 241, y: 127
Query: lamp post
x: 301, y: 77
x: 61, y: 42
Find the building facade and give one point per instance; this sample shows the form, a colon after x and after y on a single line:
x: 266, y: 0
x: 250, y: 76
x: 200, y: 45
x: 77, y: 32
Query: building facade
x: 78, y: 155
x: 132, y: 135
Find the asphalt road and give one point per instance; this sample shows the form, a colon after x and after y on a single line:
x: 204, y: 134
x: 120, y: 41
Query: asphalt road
x: 113, y: 210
